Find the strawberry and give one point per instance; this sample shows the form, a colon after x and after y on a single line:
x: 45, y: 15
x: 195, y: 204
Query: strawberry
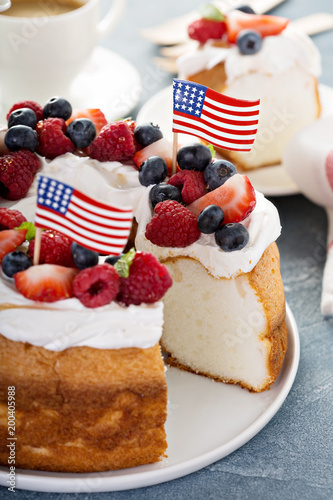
x: 265, y: 25
x: 95, y: 115
x: 162, y: 148
x: 11, y: 239
x: 46, y: 282
x: 236, y: 197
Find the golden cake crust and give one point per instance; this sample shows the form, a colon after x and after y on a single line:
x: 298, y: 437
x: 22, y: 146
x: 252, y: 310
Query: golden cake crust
x: 83, y: 409
x: 265, y: 279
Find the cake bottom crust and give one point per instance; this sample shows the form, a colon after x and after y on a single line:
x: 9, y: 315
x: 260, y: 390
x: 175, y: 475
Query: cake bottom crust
x: 83, y: 409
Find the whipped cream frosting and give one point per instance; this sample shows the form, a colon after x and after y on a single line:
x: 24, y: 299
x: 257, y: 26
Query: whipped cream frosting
x: 278, y: 54
x: 263, y: 225
x: 67, y: 323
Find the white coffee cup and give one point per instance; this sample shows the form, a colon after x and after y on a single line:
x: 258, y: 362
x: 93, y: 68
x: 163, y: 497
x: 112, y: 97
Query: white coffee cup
x: 40, y: 56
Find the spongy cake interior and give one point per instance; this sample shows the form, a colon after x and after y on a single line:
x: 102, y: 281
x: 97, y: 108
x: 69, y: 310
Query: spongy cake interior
x: 220, y: 327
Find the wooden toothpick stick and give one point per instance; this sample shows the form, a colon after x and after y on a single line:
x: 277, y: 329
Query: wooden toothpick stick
x: 174, y: 153
x: 37, y: 245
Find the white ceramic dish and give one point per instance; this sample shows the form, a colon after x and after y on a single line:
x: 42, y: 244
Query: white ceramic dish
x: 207, y: 421
x: 97, y: 86
x: 271, y: 181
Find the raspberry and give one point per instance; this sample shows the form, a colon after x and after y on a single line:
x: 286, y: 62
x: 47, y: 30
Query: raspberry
x: 173, y: 225
x: 52, y: 139
x: 148, y: 281
x: 17, y: 171
x: 55, y: 249
x: 37, y: 108
x: 114, y: 143
x: 10, y: 218
x: 206, y: 29
x: 96, y: 286
x: 132, y: 125
x: 192, y: 183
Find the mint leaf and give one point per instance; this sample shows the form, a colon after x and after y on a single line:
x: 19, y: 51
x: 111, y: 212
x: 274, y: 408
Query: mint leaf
x: 212, y: 150
x: 30, y: 226
x: 210, y: 11
x: 124, y: 263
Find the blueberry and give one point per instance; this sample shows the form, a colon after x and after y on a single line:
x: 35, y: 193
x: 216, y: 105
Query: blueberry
x: 14, y: 262
x: 162, y: 192
x: 249, y: 42
x: 153, y: 171
x: 194, y: 157
x: 112, y: 259
x: 81, y: 132
x: 83, y: 257
x: 245, y: 8
x: 57, y: 107
x: 210, y: 219
x: 147, y: 133
x: 232, y: 236
x: 217, y: 172
x: 21, y: 136
x: 22, y: 116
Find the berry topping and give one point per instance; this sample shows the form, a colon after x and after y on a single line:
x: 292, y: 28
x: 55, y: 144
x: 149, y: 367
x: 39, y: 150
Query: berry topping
x: 194, y: 157
x: 162, y: 192
x: 147, y: 133
x: 114, y: 143
x: 83, y: 257
x: 37, y: 108
x: 249, y: 42
x: 232, y: 236
x: 148, y: 281
x: 192, y: 184
x: 52, y: 139
x: 57, y: 107
x: 266, y: 25
x: 210, y: 219
x: 19, y: 137
x: 217, y: 172
x: 96, y: 286
x: 46, y: 282
x: 112, y: 259
x: 206, y: 29
x: 17, y: 171
x: 162, y: 148
x: 81, y: 132
x: 55, y: 249
x: 173, y: 225
x: 10, y: 239
x: 236, y: 197
x: 10, y: 218
x: 245, y: 8
x: 95, y: 115
x: 22, y: 116
x: 15, y: 262
x: 153, y: 171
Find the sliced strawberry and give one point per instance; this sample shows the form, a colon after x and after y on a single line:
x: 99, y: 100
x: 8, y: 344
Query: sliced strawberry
x: 162, y: 148
x: 266, y: 25
x: 95, y: 115
x: 236, y: 197
x: 46, y: 282
x: 11, y: 239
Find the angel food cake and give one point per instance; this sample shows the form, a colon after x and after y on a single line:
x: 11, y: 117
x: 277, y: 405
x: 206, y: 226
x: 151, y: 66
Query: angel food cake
x: 258, y: 57
x: 225, y: 313
x: 79, y: 338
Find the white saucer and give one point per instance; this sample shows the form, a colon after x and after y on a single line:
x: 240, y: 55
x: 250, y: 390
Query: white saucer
x: 206, y: 421
x: 108, y: 82
x: 271, y: 181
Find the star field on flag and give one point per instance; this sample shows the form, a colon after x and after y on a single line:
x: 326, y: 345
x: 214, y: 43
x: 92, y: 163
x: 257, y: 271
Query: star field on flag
x: 95, y: 225
x: 225, y: 122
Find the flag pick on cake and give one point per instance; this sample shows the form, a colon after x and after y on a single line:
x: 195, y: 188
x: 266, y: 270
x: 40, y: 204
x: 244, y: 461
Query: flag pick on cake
x: 223, y: 121
x: 98, y: 226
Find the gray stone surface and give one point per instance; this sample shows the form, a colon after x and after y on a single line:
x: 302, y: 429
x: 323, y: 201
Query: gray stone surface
x: 291, y: 458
